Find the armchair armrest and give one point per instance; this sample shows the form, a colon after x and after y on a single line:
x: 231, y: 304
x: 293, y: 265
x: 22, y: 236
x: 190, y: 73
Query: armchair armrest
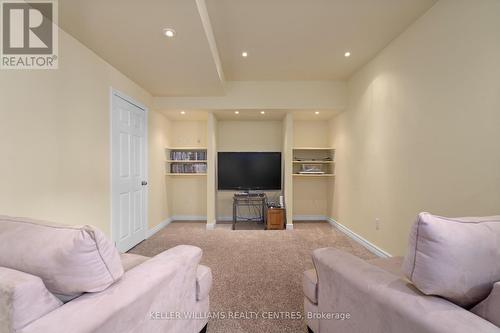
x: 23, y: 299
x: 165, y: 283
x: 379, y: 301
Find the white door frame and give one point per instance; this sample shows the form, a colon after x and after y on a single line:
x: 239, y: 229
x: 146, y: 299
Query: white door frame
x: 112, y: 92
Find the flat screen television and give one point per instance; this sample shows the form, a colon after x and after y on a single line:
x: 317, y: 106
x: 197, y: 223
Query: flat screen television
x: 249, y: 171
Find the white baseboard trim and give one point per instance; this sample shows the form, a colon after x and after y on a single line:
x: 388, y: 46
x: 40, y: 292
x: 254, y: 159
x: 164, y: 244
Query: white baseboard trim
x: 210, y: 226
x: 295, y: 218
x: 354, y: 236
x: 310, y: 218
x: 188, y: 218
x: 289, y: 226
x: 158, y: 227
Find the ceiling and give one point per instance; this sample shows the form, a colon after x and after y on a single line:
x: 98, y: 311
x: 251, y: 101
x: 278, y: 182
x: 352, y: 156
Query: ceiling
x: 287, y: 40
x: 129, y: 35
x: 306, y: 40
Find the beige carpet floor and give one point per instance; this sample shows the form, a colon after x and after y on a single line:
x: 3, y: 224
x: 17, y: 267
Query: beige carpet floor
x: 254, y: 270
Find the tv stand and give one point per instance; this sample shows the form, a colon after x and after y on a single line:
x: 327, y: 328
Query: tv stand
x: 249, y: 199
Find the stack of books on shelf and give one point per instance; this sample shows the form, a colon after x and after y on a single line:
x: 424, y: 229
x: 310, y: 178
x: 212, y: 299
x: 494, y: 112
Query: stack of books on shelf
x: 188, y: 168
x: 188, y: 155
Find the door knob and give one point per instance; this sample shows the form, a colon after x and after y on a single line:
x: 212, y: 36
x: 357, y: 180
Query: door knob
x: 144, y: 183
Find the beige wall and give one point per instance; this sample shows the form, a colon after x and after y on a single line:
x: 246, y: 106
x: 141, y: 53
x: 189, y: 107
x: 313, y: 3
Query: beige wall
x: 189, y: 133
x: 246, y: 136
x: 211, y: 171
x: 311, y: 133
x: 287, y: 158
x: 249, y: 135
x: 55, y: 139
x: 188, y: 197
x: 310, y: 197
x: 159, y: 198
x: 422, y: 129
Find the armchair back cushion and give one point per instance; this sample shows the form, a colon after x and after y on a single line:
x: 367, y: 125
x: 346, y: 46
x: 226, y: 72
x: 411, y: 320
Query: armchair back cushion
x: 69, y: 259
x: 455, y: 258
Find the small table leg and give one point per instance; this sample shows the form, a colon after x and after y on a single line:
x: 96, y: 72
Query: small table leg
x: 234, y: 215
x: 262, y: 209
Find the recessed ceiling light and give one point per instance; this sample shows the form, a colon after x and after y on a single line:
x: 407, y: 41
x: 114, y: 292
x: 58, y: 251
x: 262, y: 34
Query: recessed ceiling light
x: 169, y: 32
x: 183, y: 112
x: 347, y: 54
x: 244, y: 54
x: 262, y: 112
x: 316, y: 112
x: 237, y: 112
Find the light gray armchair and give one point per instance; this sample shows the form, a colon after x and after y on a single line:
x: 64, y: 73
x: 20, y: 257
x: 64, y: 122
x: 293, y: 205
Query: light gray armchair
x: 448, y: 282
x: 376, y: 298
x: 72, y: 279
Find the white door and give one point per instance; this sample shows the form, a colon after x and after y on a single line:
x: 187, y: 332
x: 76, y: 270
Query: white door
x: 128, y: 171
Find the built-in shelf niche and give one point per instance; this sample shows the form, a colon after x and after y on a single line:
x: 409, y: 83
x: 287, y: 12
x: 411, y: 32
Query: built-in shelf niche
x: 313, y: 162
x: 186, y: 161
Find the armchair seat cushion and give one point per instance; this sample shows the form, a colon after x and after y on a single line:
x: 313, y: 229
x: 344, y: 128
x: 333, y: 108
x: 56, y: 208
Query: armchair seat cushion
x: 203, y: 282
x: 392, y: 265
x: 489, y: 308
x: 310, y: 285
x: 130, y: 260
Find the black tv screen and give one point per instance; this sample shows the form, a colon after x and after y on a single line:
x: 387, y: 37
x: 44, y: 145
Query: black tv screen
x: 249, y: 171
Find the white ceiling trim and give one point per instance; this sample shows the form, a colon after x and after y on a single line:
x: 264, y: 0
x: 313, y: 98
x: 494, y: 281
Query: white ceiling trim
x: 207, y: 26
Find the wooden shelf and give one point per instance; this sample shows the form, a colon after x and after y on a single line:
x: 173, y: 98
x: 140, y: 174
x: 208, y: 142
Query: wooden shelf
x: 187, y: 161
x: 312, y: 162
x: 186, y: 174
x: 186, y: 148
x: 314, y: 175
x: 313, y: 148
